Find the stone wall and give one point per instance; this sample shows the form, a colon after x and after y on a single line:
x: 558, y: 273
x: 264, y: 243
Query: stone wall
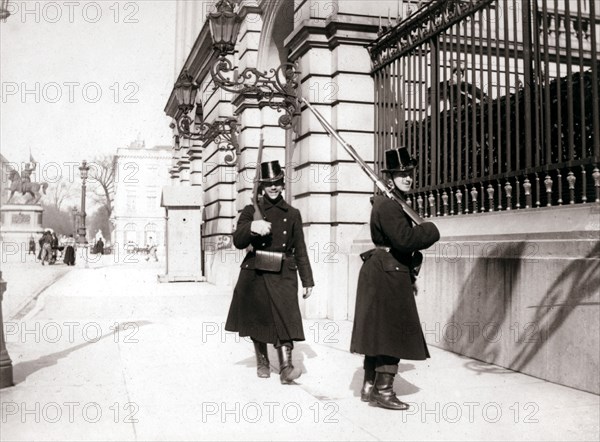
x: 519, y: 289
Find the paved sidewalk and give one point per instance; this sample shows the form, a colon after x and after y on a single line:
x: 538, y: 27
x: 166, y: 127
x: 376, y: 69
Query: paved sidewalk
x: 108, y: 353
x: 27, y: 278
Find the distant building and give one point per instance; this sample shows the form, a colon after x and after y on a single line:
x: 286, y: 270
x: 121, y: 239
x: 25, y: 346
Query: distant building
x: 141, y: 173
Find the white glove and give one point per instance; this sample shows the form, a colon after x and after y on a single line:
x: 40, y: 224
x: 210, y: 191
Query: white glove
x: 260, y: 227
x: 307, y: 292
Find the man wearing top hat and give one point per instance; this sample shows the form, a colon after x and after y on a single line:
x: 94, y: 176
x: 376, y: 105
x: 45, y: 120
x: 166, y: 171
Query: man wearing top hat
x: 265, y: 301
x: 386, y: 322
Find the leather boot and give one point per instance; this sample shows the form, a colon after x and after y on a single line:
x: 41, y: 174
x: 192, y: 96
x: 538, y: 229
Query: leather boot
x: 287, y: 371
x: 263, y: 367
x: 383, y: 393
x: 368, y: 382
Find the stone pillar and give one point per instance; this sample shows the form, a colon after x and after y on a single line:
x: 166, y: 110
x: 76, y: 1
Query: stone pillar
x: 330, y: 189
x: 221, y: 261
x: 228, y: 187
x: 184, y: 172
x: 249, y: 114
x: 195, y: 156
x: 174, y: 170
x: 183, y: 162
x: 249, y: 139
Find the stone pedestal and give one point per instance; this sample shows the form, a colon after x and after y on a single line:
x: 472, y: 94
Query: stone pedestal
x: 19, y: 222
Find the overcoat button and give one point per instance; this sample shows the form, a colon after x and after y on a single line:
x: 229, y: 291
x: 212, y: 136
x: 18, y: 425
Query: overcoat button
x: 263, y: 244
x: 284, y: 220
x: 283, y: 244
x: 397, y: 268
x: 285, y: 232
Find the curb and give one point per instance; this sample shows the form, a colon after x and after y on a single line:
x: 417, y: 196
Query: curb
x: 29, y: 305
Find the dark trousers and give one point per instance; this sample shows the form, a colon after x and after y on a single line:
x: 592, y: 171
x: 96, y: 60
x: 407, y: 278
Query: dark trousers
x: 381, y: 364
x: 279, y: 343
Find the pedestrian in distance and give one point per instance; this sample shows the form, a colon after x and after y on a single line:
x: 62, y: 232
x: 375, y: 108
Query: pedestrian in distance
x: 31, y: 246
x: 46, y: 243
x: 70, y: 247
x: 41, y: 243
x: 265, y: 299
x: 54, y: 245
x: 386, y: 322
x: 100, y: 246
x: 152, y: 249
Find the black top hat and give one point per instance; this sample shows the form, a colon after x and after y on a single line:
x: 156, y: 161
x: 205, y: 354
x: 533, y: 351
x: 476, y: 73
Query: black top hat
x: 399, y: 160
x: 270, y: 172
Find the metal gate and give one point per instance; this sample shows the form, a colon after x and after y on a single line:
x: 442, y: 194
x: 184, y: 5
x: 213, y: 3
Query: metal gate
x: 498, y: 100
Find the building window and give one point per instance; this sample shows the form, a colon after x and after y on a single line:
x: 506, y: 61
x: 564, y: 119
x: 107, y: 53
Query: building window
x: 130, y: 236
x: 150, y: 234
x: 131, y: 202
x: 151, y: 202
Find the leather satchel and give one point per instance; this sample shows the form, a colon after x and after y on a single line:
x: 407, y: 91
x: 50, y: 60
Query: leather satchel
x: 268, y: 261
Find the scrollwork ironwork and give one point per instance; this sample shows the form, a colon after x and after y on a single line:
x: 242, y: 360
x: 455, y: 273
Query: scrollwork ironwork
x: 430, y: 20
x: 221, y: 132
x: 278, y: 86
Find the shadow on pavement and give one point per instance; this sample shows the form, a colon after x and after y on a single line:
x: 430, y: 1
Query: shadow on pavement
x: 22, y: 370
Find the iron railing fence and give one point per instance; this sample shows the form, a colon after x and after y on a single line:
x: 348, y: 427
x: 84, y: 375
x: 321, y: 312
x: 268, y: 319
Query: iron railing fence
x: 498, y: 100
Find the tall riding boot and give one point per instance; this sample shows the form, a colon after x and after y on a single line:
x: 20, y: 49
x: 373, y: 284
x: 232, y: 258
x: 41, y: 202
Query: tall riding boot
x: 383, y: 393
x: 369, y: 380
x: 263, y: 367
x: 287, y: 371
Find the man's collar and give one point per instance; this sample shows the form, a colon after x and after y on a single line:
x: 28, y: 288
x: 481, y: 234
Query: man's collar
x: 281, y: 204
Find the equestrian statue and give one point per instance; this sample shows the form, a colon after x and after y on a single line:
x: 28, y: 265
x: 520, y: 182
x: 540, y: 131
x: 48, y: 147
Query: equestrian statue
x: 25, y: 186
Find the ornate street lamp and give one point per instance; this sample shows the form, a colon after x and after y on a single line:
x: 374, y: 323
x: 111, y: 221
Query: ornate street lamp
x: 186, y: 90
x: 75, y: 216
x: 278, y: 86
x: 4, y: 12
x: 83, y: 172
x: 6, y: 369
x: 224, y: 26
x: 222, y: 132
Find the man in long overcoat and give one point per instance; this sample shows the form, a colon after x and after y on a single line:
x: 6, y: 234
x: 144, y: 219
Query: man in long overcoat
x: 386, y: 322
x: 265, y: 302
x: 46, y: 247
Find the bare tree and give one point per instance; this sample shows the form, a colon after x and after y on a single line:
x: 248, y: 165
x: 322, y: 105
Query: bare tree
x: 62, y: 192
x: 102, y: 173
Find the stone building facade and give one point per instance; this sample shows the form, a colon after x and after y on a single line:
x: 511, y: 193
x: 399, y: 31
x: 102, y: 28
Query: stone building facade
x: 499, y: 272
x: 141, y: 173
x: 327, y: 41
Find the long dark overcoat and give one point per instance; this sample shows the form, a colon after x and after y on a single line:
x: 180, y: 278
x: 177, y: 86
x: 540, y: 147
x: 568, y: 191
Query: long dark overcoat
x: 386, y: 321
x: 265, y: 304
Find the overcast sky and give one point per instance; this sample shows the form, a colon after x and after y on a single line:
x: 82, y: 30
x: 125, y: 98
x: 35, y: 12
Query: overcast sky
x: 80, y: 78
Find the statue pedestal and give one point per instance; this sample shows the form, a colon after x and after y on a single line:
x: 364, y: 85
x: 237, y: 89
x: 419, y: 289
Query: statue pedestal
x: 19, y: 222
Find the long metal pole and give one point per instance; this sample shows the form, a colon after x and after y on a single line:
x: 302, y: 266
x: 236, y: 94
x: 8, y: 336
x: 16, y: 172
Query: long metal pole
x: 370, y: 173
x: 82, y: 229
x: 6, y: 368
